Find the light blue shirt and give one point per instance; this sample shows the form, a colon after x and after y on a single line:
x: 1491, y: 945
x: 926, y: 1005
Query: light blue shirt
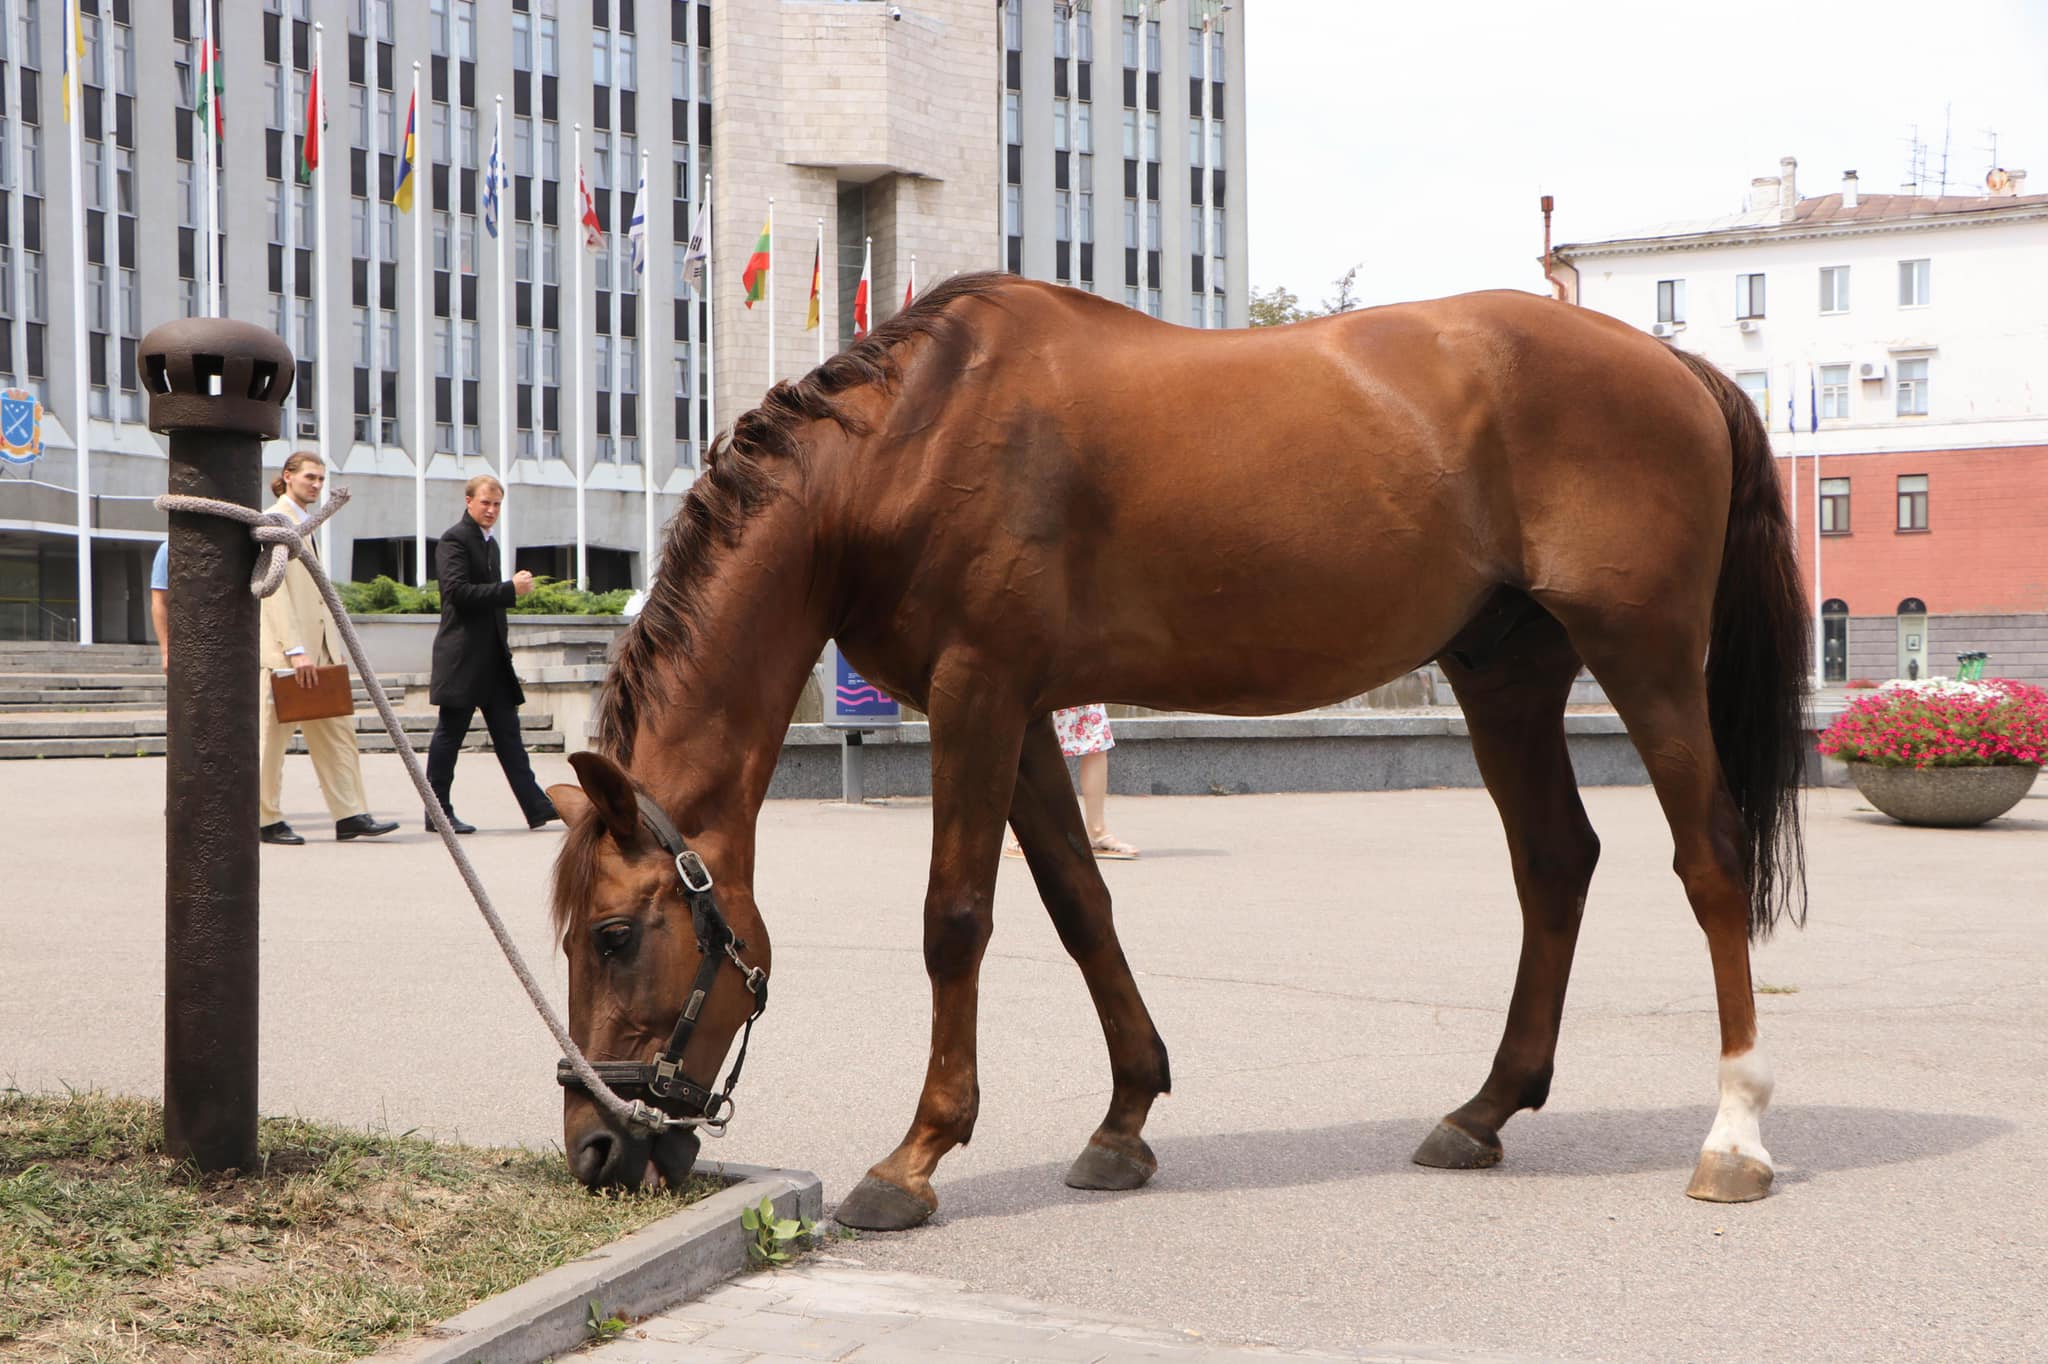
x: 160, y: 571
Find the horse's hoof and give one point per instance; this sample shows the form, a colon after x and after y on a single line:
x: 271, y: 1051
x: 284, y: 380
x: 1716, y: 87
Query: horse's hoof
x: 877, y: 1205
x: 1105, y: 1167
x: 1725, y: 1177
x: 1451, y: 1147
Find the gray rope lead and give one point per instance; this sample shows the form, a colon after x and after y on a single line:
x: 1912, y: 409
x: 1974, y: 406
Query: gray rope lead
x: 283, y: 539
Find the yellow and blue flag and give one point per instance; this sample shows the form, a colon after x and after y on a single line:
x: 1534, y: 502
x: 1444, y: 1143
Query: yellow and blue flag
x: 74, y: 53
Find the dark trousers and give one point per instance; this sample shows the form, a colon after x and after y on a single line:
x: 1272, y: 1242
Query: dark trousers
x: 501, y: 718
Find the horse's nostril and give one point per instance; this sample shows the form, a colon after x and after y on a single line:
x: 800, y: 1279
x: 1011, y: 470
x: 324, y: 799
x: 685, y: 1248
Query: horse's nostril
x: 593, y: 1157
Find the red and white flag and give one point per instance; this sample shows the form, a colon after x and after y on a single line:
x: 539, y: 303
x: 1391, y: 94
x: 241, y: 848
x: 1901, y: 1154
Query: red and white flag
x: 860, y: 294
x: 910, y: 286
x: 593, y: 233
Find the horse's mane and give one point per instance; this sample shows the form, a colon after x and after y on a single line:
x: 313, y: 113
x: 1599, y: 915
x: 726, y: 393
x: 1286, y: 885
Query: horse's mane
x: 741, y: 478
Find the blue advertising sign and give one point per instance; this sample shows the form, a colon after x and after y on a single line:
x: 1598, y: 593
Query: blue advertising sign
x: 21, y: 427
x: 851, y: 701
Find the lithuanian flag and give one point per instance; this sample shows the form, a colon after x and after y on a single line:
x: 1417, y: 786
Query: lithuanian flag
x: 756, y: 275
x: 402, y: 196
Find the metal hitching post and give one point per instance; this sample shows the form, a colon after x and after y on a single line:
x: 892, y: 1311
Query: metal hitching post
x: 214, y: 388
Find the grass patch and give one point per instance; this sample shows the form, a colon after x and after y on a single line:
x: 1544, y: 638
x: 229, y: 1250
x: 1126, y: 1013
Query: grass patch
x: 341, y: 1243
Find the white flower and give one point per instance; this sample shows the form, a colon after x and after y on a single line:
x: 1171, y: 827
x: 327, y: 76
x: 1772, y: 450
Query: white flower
x: 1943, y: 686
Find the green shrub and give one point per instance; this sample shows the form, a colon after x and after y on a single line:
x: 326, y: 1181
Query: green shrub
x: 383, y: 596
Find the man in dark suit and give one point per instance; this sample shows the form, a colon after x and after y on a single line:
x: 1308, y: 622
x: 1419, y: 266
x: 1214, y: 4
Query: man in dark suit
x: 473, y: 655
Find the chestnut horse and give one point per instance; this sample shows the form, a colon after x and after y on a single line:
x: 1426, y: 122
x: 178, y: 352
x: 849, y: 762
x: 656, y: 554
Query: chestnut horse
x: 1014, y: 497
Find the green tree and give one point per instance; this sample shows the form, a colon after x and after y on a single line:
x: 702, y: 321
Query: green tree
x: 1276, y: 305
x: 1347, y: 293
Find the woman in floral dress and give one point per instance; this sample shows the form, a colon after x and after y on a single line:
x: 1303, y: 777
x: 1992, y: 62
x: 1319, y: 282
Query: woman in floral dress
x: 1084, y: 733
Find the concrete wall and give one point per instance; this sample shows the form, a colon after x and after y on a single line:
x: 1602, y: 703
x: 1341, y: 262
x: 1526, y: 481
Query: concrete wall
x: 2018, y: 645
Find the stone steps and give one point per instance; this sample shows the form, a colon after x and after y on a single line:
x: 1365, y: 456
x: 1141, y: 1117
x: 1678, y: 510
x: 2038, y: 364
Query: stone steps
x: 142, y: 735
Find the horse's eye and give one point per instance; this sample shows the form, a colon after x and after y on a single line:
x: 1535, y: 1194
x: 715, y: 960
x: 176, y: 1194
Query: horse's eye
x: 614, y: 937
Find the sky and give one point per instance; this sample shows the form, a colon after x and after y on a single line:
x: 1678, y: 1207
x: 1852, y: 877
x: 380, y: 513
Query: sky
x: 1415, y: 140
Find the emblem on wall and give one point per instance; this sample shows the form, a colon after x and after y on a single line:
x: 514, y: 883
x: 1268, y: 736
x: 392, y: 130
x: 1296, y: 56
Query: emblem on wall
x: 21, y: 426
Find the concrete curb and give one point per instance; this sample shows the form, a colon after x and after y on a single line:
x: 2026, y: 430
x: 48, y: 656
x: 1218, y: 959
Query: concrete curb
x: 654, y: 1268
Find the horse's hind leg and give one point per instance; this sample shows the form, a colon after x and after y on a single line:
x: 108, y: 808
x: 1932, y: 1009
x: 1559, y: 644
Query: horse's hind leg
x: 1514, y: 706
x: 1055, y: 843
x: 1652, y: 675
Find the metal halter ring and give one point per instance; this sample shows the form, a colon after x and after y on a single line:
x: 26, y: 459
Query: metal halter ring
x: 687, y: 861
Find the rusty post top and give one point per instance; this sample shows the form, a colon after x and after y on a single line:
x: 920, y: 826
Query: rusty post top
x: 214, y: 374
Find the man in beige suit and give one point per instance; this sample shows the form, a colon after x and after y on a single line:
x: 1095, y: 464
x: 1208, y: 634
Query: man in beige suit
x: 299, y: 634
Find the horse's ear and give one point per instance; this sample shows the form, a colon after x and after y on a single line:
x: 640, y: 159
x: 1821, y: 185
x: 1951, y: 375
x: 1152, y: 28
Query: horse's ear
x: 610, y: 792
x: 570, y: 803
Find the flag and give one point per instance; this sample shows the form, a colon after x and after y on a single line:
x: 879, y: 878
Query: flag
x: 694, y: 256
x: 208, y: 100
x: 755, y: 276
x: 593, y: 234
x: 75, y: 43
x: 860, y: 294
x: 636, y: 226
x: 910, y: 286
x: 316, y: 119
x: 817, y: 287
x: 402, y: 196
x: 1812, y: 404
x: 494, y: 177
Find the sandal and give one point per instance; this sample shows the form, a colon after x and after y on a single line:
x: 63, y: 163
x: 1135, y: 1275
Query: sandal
x: 1113, y: 848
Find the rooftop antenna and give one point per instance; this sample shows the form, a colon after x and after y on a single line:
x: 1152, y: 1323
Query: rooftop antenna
x: 1946, y: 124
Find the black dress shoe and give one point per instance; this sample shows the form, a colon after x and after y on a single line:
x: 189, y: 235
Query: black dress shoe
x: 538, y: 818
x: 280, y: 832
x: 455, y: 822
x: 362, y: 826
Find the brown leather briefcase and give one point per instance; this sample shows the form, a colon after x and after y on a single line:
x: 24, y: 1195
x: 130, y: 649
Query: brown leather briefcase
x: 327, y: 698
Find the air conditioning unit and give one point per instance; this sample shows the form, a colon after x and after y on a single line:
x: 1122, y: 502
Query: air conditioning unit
x: 1664, y: 329
x: 1745, y: 324
x: 1871, y: 371
x: 309, y: 428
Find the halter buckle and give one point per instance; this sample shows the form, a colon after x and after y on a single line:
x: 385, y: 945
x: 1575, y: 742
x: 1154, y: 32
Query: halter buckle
x: 665, y: 1072
x: 687, y: 861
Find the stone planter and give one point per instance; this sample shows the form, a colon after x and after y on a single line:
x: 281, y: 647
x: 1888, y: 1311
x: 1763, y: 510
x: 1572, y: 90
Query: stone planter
x: 1943, y: 797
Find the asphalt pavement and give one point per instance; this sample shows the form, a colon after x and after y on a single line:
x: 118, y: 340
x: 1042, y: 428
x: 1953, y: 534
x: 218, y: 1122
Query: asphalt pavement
x: 1329, y: 973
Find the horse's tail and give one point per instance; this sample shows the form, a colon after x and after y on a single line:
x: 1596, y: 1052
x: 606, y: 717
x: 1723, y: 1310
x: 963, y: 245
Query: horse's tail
x: 1759, y: 658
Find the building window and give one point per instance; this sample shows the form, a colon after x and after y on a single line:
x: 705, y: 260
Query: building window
x: 1913, y: 283
x: 1757, y: 384
x: 1912, y: 388
x: 1130, y: 36
x: 1013, y: 119
x: 1834, y: 391
x: 1749, y: 296
x: 1834, y: 506
x: 1834, y: 289
x: 1912, y: 502
x: 1671, y: 302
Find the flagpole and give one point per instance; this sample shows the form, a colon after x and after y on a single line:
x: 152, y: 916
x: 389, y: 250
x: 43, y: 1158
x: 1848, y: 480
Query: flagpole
x: 212, y: 122
x: 74, y: 96
x: 507, y: 454
x: 710, y: 325
x: 910, y: 285
x: 374, y: 249
x: 583, y: 415
x: 771, y: 291
x: 646, y: 390
x: 325, y: 415
x: 1208, y: 182
x: 18, y: 323
x: 820, y: 282
x: 1820, y: 667
x: 423, y: 377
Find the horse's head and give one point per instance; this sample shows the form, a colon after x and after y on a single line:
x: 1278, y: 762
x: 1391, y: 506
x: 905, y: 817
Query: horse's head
x: 668, y: 962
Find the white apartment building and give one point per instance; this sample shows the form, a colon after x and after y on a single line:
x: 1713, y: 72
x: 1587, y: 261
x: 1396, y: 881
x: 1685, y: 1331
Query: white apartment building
x: 1899, y: 344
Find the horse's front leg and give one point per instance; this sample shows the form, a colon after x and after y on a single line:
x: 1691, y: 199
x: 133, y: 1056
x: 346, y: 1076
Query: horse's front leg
x: 976, y: 734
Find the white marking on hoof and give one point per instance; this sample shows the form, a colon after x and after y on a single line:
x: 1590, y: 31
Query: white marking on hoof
x: 1745, y: 1093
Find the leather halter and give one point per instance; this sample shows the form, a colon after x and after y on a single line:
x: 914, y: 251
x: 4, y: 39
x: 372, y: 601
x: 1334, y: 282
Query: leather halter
x: 675, y: 1093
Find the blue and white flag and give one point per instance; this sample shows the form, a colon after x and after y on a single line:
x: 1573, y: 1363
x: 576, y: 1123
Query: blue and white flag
x: 494, y: 177
x: 1812, y: 404
x: 636, y: 227
x: 696, y: 255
